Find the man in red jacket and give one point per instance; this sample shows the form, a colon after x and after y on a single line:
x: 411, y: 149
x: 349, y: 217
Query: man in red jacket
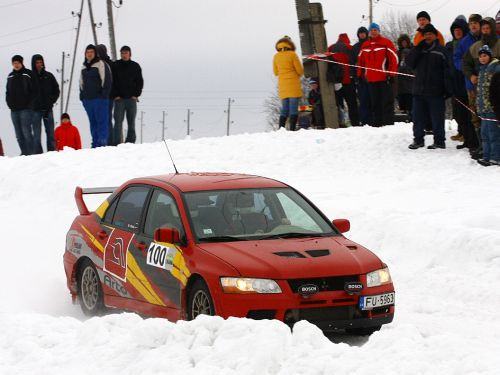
x: 67, y: 134
x: 378, y: 55
x: 341, y: 52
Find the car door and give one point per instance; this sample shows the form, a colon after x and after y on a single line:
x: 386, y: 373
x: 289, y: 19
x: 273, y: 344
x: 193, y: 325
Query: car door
x: 162, y: 264
x: 123, y: 219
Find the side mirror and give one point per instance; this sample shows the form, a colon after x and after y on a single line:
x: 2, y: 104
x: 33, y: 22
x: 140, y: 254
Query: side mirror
x: 343, y: 225
x: 168, y: 235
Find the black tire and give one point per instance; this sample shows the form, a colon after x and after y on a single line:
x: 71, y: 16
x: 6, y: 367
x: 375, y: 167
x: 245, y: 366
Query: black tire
x: 199, y: 300
x: 90, y: 293
x: 363, y: 331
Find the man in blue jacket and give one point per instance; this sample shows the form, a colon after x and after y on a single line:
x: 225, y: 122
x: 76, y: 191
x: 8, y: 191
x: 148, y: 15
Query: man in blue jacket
x: 465, y: 43
x: 95, y: 89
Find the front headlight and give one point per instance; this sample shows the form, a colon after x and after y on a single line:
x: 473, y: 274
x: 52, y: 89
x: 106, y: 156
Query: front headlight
x: 243, y: 285
x: 378, y: 277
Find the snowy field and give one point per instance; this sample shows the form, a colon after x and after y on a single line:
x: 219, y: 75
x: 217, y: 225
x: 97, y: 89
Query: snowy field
x: 432, y: 215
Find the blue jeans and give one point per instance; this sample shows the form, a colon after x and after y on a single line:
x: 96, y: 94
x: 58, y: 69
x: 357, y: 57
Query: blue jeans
x: 364, y: 102
x: 48, y: 122
x: 427, y: 107
x: 98, y: 114
x: 290, y: 107
x: 490, y: 137
x: 22, y: 126
x: 122, y: 107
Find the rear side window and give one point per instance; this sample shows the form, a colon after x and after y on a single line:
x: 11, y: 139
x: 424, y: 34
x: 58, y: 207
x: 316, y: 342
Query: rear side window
x: 129, y: 209
x: 109, y: 213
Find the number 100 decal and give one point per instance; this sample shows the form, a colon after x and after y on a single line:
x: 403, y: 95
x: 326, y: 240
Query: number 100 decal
x: 161, y: 256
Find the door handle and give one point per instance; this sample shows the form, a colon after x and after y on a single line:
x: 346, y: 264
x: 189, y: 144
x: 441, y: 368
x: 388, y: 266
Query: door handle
x: 141, y: 246
x: 102, y: 234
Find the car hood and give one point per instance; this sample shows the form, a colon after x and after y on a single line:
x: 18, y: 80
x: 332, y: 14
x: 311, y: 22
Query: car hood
x: 259, y: 258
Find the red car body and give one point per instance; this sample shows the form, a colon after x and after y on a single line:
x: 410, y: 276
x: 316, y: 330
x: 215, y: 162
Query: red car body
x: 120, y: 256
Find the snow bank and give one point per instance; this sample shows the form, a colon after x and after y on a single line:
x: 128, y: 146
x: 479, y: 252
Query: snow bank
x: 432, y: 215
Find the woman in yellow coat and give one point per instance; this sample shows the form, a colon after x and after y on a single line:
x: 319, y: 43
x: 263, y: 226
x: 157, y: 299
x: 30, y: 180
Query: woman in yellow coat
x: 288, y: 68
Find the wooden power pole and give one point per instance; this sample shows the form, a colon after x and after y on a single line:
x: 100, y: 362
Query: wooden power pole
x: 111, y: 29
x: 62, y: 84
x: 313, y: 40
x: 92, y: 22
x: 370, y: 14
x: 79, y: 15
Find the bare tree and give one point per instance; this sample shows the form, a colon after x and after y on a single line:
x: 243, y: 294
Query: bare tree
x: 393, y: 24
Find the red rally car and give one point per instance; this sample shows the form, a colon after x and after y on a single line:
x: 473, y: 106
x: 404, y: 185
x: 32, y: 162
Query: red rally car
x: 179, y: 245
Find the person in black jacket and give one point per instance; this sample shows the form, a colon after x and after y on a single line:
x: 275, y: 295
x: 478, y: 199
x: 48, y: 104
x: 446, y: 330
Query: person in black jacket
x: 361, y: 84
x: 95, y: 88
x: 495, y: 95
x: 47, y: 95
x: 20, y: 94
x: 127, y: 87
x: 102, y: 52
x: 431, y: 86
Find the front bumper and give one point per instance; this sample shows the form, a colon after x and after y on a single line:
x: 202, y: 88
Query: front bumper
x: 330, y: 311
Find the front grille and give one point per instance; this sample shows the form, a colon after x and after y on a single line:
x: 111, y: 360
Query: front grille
x: 261, y: 314
x: 325, y: 284
x: 322, y: 314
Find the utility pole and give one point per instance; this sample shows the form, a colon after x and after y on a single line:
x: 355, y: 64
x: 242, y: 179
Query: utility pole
x: 111, y: 29
x: 62, y: 84
x: 228, y: 111
x: 92, y: 22
x: 163, y: 126
x: 370, y: 14
x: 142, y: 123
x: 313, y: 40
x: 188, y: 122
x: 79, y: 15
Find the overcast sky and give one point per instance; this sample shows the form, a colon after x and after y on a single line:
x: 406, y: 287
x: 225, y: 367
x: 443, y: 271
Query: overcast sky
x: 194, y: 53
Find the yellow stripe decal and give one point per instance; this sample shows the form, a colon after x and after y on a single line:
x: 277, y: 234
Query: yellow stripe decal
x: 143, y: 286
x: 102, y: 208
x: 94, y: 240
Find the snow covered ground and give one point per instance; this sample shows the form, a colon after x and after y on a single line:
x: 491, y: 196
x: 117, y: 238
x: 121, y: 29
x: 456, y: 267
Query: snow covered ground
x: 432, y: 215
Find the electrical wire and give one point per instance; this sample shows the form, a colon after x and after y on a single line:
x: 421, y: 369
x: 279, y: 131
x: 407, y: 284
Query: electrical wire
x: 36, y: 38
x: 406, y: 5
x: 441, y: 6
x: 14, y: 4
x: 35, y: 27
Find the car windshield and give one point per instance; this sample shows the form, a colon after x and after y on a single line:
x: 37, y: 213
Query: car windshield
x: 252, y: 214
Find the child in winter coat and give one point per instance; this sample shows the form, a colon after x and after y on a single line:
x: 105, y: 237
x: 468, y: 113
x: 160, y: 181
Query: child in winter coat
x: 490, y: 131
x: 314, y: 99
x: 67, y: 134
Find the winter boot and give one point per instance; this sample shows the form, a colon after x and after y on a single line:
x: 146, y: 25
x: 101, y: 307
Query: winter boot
x: 415, y: 145
x: 435, y: 146
x: 282, y: 121
x: 293, y: 122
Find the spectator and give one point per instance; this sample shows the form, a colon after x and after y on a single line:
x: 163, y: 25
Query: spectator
x: 432, y: 84
x: 288, y: 68
x: 1, y: 149
x: 495, y: 95
x: 102, y: 52
x: 379, y: 53
x: 498, y: 23
x: 466, y: 134
x: 404, y: 84
x: 314, y: 99
x: 341, y: 52
x: 20, y: 94
x: 361, y: 84
x: 423, y: 19
x: 403, y: 43
x: 67, y: 135
x: 46, y: 96
x: 127, y: 88
x: 95, y: 88
x: 490, y: 130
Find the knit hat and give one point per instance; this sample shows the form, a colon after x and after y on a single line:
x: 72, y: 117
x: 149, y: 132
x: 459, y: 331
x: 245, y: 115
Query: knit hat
x: 423, y: 14
x: 65, y: 115
x: 485, y: 50
x: 475, y: 18
x: 91, y: 46
x: 375, y: 26
x: 17, y: 58
x: 125, y: 48
x: 429, y: 28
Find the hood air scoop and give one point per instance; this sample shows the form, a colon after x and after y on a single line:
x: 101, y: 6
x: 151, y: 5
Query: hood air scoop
x: 290, y: 254
x: 318, y: 253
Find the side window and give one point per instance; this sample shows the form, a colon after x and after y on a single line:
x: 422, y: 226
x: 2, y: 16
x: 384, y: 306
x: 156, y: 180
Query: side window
x: 109, y: 213
x: 162, y: 213
x: 295, y: 214
x: 128, y: 211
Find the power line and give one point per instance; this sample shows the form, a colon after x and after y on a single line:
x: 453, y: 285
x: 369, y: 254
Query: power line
x: 35, y: 27
x: 36, y: 38
x: 16, y: 3
x: 406, y: 5
x: 441, y: 6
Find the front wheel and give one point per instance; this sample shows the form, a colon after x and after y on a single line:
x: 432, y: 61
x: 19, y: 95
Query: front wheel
x: 200, y: 301
x: 90, y: 292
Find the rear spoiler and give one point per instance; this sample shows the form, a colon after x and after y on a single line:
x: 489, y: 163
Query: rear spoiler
x: 82, y: 207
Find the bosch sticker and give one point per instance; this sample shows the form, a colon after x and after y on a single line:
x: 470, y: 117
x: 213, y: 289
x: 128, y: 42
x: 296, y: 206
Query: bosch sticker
x: 161, y: 256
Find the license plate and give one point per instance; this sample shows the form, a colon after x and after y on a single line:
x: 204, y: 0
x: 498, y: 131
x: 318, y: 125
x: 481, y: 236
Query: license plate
x: 371, y: 302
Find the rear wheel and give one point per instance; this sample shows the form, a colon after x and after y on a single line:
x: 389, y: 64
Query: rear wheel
x: 90, y: 292
x: 200, y: 301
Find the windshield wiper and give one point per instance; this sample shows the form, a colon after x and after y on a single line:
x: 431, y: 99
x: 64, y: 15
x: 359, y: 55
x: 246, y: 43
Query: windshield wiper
x: 222, y: 239
x: 292, y: 235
